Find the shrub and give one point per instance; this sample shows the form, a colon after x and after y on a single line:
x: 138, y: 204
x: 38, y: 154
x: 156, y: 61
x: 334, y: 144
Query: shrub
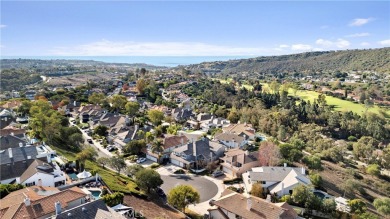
x: 232, y: 181
x: 154, y: 165
x: 179, y: 171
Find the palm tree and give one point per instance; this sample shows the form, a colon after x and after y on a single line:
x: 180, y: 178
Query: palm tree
x: 157, y: 146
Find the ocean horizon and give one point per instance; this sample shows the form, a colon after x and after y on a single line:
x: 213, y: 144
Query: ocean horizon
x: 167, y: 61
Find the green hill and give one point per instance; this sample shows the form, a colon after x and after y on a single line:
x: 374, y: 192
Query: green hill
x: 371, y: 59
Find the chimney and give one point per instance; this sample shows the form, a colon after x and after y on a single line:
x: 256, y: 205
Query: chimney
x: 282, y: 189
x: 248, y: 203
x: 10, y: 153
x: 285, y: 164
x: 12, y: 134
x: 27, y: 201
x: 39, y: 182
x: 74, y: 103
x: 303, y: 171
x: 20, y: 144
x: 268, y: 199
x: 57, y: 206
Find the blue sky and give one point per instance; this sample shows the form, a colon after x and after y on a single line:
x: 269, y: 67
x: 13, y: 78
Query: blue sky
x: 150, y: 28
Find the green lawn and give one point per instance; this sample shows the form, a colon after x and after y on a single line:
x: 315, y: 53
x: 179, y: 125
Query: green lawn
x: 113, y: 180
x: 339, y: 104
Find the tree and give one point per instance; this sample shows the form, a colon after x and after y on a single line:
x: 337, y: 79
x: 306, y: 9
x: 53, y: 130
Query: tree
x: 382, y: 205
x: 5, y: 189
x: 349, y: 186
x: 183, y: 195
x: 290, y: 152
x: 118, y: 163
x: 141, y: 85
x: 358, y: 206
x: 328, y: 206
x: 96, y: 98
x: 364, y: 147
x: 373, y: 169
x: 257, y: 190
x: 234, y: 116
x: 113, y: 199
x: 118, y: 102
x: 134, y: 147
x: 172, y: 129
x: 316, y: 180
x: 148, y: 179
x: 103, y: 161
x: 269, y: 154
x: 100, y: 130
x: 132, y: 108
x: 157, y: 146
x: 133, y: 169
x: 155, y: 116
x: 88, y: 153
x: 313, y: 162
x: 300, y: 194
x: 274, y: 86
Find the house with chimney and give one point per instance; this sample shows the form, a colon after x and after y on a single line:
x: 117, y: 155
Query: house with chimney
x: 277, y: 180
x: 237, y: 161
x: 232, y: 205
x: 28, y: 164
x: 40, y: 202
x: 170, y: 143
x: 95, y: 209
x: 196, y: 155
x: 90, y: 112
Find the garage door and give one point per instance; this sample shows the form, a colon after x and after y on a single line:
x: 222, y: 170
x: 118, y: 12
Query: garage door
x: 227, y: 170
x: 151, y: 158
x: 176, y: 162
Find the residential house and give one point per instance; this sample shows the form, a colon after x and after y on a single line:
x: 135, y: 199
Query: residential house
x: 40, y: 202
x: 12, y: 130
x: 278, y: 180
x: 30, y: 94
x: 181, y: 114
x: 89, y: 112
x: 232, y: 205
x: 13, y: 104
x: 215, y: 122
x: 107, y: 119
x: 231, y: 140
x: 28, y: 165
x: 169, y: 143
x: 196, y: 155
x: 237, y: 161
x: 241, y: 129
x: 95, y: 209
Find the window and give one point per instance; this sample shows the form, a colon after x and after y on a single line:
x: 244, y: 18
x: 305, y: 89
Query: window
x: 30, y: 184
x: 263, y: 182
x: 290, y: 191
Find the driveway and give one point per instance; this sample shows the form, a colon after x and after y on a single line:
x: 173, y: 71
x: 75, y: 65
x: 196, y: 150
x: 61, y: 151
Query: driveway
x: 206, y: 188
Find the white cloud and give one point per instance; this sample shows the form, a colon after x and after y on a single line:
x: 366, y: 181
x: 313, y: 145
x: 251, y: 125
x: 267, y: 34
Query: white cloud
x: 339, y: 43
x: 283, y: 46
x: 360, y: 21
x: 3, y: 26
x: 302, y: 47
x: 110, y: 48
x: 358, y: 35
x: 365, y: 44
x: 385, y: 42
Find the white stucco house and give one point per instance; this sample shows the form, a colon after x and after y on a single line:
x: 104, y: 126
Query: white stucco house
x: 278, y: 180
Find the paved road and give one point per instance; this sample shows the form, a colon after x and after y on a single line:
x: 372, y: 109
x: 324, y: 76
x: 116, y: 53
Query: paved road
x: 205, y: 187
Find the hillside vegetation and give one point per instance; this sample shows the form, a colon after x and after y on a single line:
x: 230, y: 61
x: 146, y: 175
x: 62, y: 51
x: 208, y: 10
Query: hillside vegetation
x: 360, y: 60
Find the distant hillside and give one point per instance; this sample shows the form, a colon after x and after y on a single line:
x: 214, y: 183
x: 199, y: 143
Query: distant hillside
x: 373, y: 59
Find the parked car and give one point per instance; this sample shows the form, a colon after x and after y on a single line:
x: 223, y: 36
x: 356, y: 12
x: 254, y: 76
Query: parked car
x: 90, y: 141
x: 160, y: 192
x: 111, y: 148
x: 217, y: 173
x: 141, y: 160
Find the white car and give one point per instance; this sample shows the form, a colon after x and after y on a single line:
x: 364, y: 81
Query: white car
x: 141, y: 160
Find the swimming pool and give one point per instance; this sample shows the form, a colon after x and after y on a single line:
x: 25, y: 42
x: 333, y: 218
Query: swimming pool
x: 73, y: 176
x: 95, y: 194
x: 319, y: 195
